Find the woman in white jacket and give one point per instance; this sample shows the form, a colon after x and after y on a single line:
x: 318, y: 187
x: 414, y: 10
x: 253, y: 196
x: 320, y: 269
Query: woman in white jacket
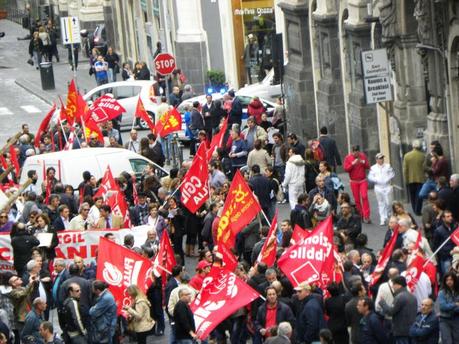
x: 294, y: 177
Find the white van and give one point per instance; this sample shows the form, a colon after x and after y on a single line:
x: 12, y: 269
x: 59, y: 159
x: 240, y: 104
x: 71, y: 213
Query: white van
x: 70, y: 165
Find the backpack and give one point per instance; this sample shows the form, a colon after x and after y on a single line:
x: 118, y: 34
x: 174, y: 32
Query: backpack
x: 317, y: 150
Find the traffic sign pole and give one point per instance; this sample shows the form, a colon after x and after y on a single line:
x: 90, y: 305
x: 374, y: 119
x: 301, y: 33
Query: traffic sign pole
x: 70, y: 30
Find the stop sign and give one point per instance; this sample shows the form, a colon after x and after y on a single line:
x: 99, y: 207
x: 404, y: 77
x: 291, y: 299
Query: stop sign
x: 164, y: 63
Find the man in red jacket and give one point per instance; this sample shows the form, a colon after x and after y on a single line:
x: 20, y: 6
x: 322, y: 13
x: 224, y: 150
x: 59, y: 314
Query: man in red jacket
x: 356, y: 164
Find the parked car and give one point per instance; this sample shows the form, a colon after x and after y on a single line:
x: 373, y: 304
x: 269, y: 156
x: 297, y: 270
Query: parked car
x: 264, y: 89
x: 71, y: 164
x: 127, y: 93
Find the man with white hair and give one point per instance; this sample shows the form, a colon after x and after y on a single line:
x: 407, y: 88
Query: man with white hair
x: 410, y: 236
x: 413, y: 173
x: 453, y: 201
x: 284, y: 332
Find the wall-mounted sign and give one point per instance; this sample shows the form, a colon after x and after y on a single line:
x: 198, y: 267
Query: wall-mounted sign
x: 376, y: 74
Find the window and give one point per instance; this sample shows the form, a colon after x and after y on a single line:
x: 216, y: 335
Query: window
x: 123, y: 92
x: 138, y: 166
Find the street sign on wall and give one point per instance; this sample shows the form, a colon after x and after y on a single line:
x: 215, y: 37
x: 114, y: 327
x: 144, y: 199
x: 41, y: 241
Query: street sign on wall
x: 376, y: 75
x: 164, y: 63
x: 70, y: 30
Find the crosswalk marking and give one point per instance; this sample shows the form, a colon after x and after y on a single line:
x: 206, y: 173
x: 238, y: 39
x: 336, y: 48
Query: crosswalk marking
x: 30, y: 109
x: 4, y: 111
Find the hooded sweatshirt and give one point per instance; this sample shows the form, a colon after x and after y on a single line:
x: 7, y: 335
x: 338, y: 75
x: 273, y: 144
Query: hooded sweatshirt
x: 255, y: 109
x: 294, y: 171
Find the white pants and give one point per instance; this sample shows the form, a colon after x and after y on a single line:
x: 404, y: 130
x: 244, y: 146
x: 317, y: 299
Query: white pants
x: 294, y: 190
x: 384, y: 197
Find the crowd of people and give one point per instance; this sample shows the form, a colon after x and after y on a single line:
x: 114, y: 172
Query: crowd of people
x: 279, y: 169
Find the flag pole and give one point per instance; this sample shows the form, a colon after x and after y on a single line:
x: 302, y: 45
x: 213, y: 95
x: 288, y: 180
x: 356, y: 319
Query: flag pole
x: 172, y: 194
x: 63, y: 131
x: 436, y: 251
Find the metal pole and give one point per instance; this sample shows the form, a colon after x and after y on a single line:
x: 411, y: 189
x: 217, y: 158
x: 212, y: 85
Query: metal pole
x: 73, y: 65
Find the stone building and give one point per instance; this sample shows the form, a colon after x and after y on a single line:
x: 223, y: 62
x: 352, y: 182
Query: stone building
x: 323, y: 78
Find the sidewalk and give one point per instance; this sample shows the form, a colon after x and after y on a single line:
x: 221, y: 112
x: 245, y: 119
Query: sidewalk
x: 29, y: 77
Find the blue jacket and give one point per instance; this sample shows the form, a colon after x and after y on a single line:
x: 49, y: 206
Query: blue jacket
x: 428, y: 186
x: 425, y: 331
x: 32, y: 326
x: 447, y: 304
x: 372, y: 330
x: 103, y: 316
x: 310, y: 321
x: 240, y: 148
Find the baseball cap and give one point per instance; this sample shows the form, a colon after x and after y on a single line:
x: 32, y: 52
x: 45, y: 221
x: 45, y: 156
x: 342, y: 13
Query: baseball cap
x: 202, y: 265
x: 302, y: 286
x: 379, y: 156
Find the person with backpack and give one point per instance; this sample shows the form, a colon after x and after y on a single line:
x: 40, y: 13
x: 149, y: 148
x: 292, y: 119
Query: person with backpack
x: 74, y: 330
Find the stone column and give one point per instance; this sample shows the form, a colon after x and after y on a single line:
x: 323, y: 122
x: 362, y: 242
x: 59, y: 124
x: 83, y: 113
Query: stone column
x: 191, y: 43
x: 298, y: 79
x: 63, y: 8
x: 329, y: 92
x: 362, y: 117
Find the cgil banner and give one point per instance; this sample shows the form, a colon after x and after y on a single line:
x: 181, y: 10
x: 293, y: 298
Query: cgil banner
x: 83, y: 244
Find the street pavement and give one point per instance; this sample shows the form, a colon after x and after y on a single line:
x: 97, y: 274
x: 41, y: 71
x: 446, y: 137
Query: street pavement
x: 23, y: 101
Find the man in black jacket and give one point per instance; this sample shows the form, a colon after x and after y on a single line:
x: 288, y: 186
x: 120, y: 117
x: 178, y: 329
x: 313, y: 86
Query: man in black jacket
x: 235, y: 116
x: 371, y: 328
x: 349, y: 225
x: 300, y: 214
x: 74, y: 328
x: 262, y: 188
x: 184, y: 320
x: 329, y: 148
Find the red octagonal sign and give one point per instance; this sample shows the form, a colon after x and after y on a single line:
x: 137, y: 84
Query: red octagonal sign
x: 164, y: 63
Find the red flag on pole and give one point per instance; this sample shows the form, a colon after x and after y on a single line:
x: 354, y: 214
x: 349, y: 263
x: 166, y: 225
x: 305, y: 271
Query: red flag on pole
x: 298, y: 234
x: 14, y: 160
x: 44, y: 125
x: 228, y: 258
x: 105, y: 108
x: 194, y: 191
x: 268, y: 251
x: 217, y: 139
x: 141, y: 113
x: 108, y: 183
x: 384, y: 258
x: 311, y: 259
x: 165, y: 258
x: 72, y: 103
x: 221, y: 295
x: 91, y: 127
x: 169, y: 122
x: 120, y: 267
x: 239, y: 209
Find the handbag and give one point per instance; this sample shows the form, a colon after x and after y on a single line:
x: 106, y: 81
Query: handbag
x: 116, y: 69
x: 91, y: 70
x: 30, y: 62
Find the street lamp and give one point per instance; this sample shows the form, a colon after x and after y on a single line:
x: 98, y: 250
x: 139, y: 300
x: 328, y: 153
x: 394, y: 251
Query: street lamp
x: 448, y: 111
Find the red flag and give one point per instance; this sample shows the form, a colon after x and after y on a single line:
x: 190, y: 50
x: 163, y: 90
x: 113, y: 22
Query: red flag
x: 228, y: 258
x: 14, y: 160
x: 169, y: 122
x: 63, y: 112
x: 217, y: 139
x: 413, y: 272
x: 91, y: 127
x: 108, y: 183
x: 194, y: 191
x: 221, y: 295
x: 47, y: 190
x: 165, y: 258
x: 72, y: 103
x: 121, y: 267
x: 44, y: 125
x: 455, y: 236
x: 298, y: 234
x: 268, y: 251
x: 240, y: 208
x: 311, y: 259
x: 3, y: 162
x: 384, y: 258
x: 82, y: 108
x: 141, y: 113
x: 105, y: 108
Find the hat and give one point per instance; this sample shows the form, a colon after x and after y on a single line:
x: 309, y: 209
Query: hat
x: 380, y: 156
x: 202, y: 265
x: 303, y: 286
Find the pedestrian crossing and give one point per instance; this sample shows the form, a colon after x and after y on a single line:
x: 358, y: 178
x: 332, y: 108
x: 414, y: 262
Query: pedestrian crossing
x: 29, y: 109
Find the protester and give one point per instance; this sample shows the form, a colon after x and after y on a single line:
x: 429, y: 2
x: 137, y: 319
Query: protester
x: 33, y: 320
x: 74, y: 328
x: 413, y: 174
x: 294, y: 177
x: 103, y: 314
x: 138, y: 311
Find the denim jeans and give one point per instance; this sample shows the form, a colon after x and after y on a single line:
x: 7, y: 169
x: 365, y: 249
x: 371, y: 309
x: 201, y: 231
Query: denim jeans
x: 185, y: 341
x: 449, y: 330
